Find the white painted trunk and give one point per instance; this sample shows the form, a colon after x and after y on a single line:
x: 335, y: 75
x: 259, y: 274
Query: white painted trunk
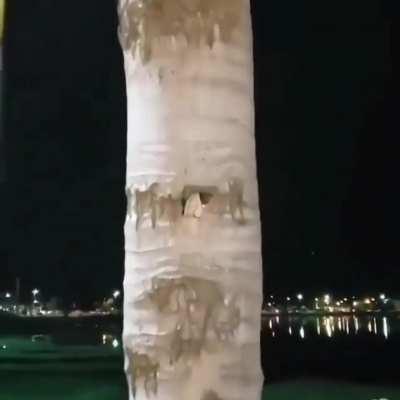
x: 2, y: 155
x: 193, y: 271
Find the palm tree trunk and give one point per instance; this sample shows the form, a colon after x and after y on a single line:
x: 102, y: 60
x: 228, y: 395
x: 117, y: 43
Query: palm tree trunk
x: 193, y: 270
x: 2, y: 155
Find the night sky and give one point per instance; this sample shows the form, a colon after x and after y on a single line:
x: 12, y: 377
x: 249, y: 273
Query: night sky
x: 327, y: 137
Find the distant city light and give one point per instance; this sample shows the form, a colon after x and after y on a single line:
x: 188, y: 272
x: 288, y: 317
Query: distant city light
x: 4, y: 347
x: 8, y: 295
x: 300, y: 296
x: 367, y: 301
x: 115, y: 343
x: 116, y: 293
x: 355, y: 303
x: 35, y: 292
x: 288, y: 298
x: 382, y: 296
x: 327, y: 299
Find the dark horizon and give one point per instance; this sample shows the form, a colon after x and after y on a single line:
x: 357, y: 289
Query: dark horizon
x: 326, y: 130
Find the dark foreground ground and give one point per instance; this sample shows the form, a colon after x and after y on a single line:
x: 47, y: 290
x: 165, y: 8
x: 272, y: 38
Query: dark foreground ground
x: 96, y: 374
x: 75, y: 364
x: 110, y: 385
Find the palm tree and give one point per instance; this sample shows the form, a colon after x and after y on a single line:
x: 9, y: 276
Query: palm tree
x: 193, y: 271
x: 2, y: 172
x: 2, y: 6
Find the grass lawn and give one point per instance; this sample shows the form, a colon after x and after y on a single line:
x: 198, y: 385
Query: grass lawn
x: 43, y: 371
x: 110, y: 385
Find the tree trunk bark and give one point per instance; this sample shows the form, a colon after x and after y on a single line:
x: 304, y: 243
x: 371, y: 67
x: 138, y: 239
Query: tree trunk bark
x: 2, y: 153
x: 193, y: 269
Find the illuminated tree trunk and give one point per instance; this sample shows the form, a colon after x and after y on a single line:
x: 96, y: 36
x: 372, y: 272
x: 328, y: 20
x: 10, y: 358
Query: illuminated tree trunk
x: 193, y: 271
x: 2, y: 155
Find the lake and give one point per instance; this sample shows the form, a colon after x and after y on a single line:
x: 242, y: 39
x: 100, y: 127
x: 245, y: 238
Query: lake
x: 351, y: 347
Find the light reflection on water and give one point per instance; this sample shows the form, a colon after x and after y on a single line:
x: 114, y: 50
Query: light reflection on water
x: 109, y: 339
x: 328, y: 326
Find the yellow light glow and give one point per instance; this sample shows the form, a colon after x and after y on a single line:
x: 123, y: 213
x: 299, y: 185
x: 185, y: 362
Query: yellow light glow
x: 302, y: 333
x: 385, y: 327
x: 328, y: 329
x: 347, y: 326
x: 356, y: 326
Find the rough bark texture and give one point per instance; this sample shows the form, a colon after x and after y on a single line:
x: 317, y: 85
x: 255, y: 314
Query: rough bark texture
x: 2, y: 155
x: 193, y: 284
